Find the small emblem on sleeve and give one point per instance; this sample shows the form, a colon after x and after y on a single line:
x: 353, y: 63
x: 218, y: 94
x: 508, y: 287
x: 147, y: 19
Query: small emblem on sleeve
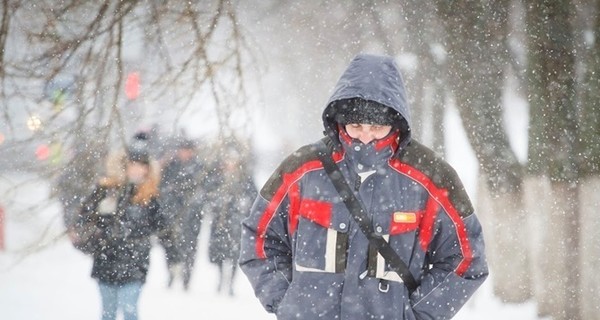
x: 405, y: 217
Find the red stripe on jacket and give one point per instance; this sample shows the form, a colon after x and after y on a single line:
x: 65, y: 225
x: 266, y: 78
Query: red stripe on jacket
x: 426, y: 227
x: 288, y: 186
x: 440, y: 196
x: 295, y: 205
x: 318, y: 212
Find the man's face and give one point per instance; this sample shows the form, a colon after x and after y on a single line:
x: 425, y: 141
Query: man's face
x: 367, y: 132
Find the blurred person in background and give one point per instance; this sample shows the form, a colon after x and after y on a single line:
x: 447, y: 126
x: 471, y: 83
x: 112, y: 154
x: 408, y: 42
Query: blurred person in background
x: 230, y: 203
x: 181, y: 197
x: 123, y: 212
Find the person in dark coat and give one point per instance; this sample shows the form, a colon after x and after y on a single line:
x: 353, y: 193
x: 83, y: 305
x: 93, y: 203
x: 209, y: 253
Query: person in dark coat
x: 307, y: 257
x: 181, y: 199
x: 125, y: 211
x: 230, y: 204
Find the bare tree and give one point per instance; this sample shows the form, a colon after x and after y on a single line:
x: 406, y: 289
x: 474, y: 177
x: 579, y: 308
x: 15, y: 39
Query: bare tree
x: 84, y: 52
x: 88, y: 73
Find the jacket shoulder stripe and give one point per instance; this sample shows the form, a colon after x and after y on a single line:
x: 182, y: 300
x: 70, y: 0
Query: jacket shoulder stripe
x: 292, y: 163
x: 440, y: 195
x: 427, y: 223
x: 440, y: 173
x: 278, y: 186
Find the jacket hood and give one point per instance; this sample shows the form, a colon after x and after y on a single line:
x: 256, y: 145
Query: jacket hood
x: 373, y: 78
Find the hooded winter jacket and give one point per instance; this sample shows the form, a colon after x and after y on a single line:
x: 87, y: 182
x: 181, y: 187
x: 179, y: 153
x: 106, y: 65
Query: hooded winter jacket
x: 305, y: 255
x: 122, y: 251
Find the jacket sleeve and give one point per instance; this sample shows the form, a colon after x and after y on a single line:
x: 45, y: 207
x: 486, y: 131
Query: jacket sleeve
x: 266, y: 255
x: 457, y: 267
x: 87, y: 213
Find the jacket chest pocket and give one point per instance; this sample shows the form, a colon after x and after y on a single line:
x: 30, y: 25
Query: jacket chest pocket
x: 398, y: 228
x: 397, y: 222
x: 322, y: 238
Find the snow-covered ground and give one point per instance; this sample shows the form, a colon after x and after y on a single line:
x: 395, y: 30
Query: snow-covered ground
x: 42, y: 277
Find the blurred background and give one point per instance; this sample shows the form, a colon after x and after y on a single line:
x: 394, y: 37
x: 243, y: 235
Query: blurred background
x: 519, y: 77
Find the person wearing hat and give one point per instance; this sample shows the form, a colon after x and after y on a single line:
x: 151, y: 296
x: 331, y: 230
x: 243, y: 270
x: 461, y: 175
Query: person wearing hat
x: 124, y: 212
x: 310, y: 253
x: 181, y: 197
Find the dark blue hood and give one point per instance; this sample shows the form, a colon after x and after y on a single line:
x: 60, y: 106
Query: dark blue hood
x: 374, y: 78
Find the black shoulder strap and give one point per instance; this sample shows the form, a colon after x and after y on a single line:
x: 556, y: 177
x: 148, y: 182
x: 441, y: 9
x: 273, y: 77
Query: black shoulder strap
x: 358, y: 212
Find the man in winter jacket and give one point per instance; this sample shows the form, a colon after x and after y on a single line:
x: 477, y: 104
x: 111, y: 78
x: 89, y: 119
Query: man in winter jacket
x: 306, y: 256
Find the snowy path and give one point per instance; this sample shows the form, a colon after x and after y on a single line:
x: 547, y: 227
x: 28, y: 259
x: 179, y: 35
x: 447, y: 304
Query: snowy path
x: 53, y: 282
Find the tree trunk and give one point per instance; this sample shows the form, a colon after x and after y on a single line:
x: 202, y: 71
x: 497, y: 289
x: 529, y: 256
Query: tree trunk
x: 552, y: 141
x: 563, y: 254
x: 590, y: 248
x: 505, y: 232
x: 589, y: 167
x: 513, y: 283
x: 476, y: 63
x: 537, y: 206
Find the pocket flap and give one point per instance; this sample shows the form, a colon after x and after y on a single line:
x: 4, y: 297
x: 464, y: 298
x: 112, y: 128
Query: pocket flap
x: 404, y: 221
x: 316, y: 211
x: 323, y: 214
